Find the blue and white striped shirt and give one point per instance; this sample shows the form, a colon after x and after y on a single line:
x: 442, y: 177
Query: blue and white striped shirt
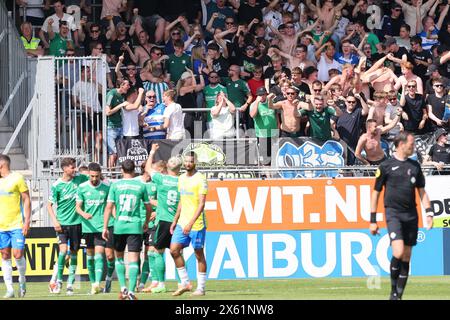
x: 155, y: 117
x: 158, y: 87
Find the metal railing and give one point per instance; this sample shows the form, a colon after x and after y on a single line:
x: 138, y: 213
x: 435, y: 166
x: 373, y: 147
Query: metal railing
x: 16, y: 86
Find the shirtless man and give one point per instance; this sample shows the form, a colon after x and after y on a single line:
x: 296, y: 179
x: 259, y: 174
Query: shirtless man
x: 370, y: 141
x: 142, y: 51
x: 378, y: 109
x: 290, y: 117
x: 288, y: 40
x: 327, y: 13
x: 381, y: 78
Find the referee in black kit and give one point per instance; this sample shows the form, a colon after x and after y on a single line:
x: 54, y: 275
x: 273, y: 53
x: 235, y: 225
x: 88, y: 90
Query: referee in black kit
x: 400, y: 176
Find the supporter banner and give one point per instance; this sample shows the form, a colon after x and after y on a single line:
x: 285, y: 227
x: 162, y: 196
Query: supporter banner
x: 133, y: 149
x: 215, y: 154
x: 309, y: 152
x: 423, y: 145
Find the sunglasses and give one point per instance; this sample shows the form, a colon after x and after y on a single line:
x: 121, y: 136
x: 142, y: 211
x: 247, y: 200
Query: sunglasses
x: 290, y: 93
x: 411, y: 86
x: 151, y: 97
x: 392, y: 99
x: 438, y: 85
x: 96, y: 30
x: 229, y: 22
x: 317, y: 90
x: 351, y: 101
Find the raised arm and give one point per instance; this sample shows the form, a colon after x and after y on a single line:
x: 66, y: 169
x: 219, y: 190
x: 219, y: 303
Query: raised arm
x: 393, y: 123
x: 209, y: 27
x: 341, y: 5
x: 442, y: 16
x: 137, y: 103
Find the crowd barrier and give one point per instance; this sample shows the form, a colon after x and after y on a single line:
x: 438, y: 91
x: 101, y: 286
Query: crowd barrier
x: 291, y: 228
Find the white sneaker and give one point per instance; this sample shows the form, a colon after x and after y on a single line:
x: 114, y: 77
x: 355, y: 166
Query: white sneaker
x: 9, y: 294
x: 69, y: 291
x: 57, y: 288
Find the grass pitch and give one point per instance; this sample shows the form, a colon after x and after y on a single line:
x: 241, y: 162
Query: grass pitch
x: 418, y: 288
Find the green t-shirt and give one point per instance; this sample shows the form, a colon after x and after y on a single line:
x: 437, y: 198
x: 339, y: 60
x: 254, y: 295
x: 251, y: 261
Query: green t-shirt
x: 237, y: 91
x: 265, y: 121
x: 63, y: 194
x: 127, y: 195
x: 168, y: 196
x: 320, y: 122
x: 176, y: 66
x: 58, y: 45
x: 210, y: 94
x: 93, y: 200
x: 151, y: 191
x: 373, y: 40
x: 114, y: 98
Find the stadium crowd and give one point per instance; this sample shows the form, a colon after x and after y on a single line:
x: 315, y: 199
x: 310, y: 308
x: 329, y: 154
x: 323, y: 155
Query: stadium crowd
x: 359, y: 72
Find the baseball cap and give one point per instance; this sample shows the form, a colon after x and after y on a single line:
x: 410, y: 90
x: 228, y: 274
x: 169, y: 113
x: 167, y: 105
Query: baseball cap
x: 261, y: 91
x: 390, y: 41
x: 431, y: 68
x: 440, y: 132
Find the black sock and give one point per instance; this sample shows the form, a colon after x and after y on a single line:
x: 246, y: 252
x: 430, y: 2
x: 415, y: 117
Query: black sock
x: 403, y: 278
x: 395, y: 271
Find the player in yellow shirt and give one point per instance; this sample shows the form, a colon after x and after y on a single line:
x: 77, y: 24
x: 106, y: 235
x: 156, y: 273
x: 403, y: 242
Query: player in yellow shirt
x: 189, y: 225
x: 13, y: 227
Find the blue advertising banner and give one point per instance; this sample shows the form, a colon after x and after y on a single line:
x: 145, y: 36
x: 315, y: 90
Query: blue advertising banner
x: 310, y: 254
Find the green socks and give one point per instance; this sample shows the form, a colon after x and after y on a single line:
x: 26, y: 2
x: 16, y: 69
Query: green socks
x: 91, y: 268
x: 133, y: 271
x: 72, y: 269
x: 61, y: 263
x: 144, y: 271
x: 151, y: 264
x: 160, y: 266
x: 120, y: 270
x: 98, y: 267
x: 110, y: 265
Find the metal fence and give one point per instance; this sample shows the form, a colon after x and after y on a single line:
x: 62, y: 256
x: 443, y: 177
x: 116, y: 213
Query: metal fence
x: 16, y: 83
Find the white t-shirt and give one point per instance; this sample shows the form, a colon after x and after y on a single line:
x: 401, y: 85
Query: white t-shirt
x: 392, y: 110
x: 222, y: 126
x: 175, y: 115
x: 323, y: 68
x: 87, y: 94
x: 130, y: 123
x: 55, y: 25
x: 34, y: 12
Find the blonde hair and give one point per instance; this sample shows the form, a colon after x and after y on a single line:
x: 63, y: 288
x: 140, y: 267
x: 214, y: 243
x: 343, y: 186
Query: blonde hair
x: 185, y: 75
x: 197, y: 54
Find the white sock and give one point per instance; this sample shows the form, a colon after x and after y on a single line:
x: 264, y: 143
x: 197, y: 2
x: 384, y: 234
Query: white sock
x: 183, y: 276
x: 201, y: 281
x: 161, y: 284
x: 7, y: 274
x: 55, y: 273
x: 22, y: 268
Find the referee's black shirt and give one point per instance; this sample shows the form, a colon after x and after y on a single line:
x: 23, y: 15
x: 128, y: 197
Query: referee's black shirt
x: 400, y: 179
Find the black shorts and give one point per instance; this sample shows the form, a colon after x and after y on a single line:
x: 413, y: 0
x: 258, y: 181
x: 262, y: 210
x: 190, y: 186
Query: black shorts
x: 402, y: 229
x: 377, y: 162
x: 163, y: 235
x: 134, y: 242
x: 285, y: 134
x: 92, y: 240
x: 149, y: 237
x: 70, y: 233
x: 96, y: 122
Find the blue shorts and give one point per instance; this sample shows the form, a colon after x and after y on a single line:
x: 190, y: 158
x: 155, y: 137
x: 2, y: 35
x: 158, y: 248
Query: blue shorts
x: 196, y: 237
x: 12, y: 239
x: 112, y: 134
